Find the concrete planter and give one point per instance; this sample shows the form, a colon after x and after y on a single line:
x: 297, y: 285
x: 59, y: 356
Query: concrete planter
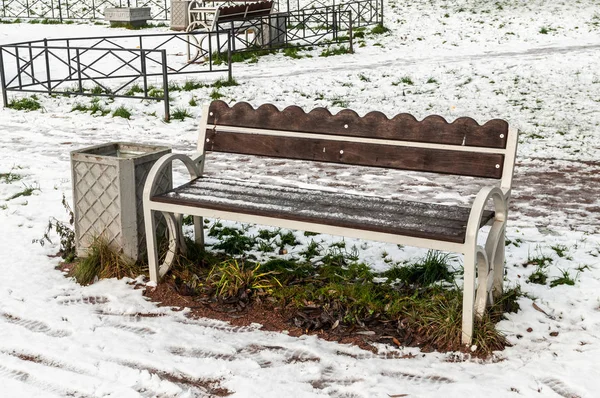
x: 133, y: 16
x: 179, y: 15
x: 274, y: 31
x: 108, y: 183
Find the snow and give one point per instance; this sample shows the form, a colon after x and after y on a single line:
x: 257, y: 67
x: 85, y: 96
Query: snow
x: 488, y: 61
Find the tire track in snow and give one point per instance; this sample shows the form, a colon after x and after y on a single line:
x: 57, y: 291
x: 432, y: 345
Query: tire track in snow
x: 560, y: 388
x: 219, y: 325
x: 89, y: 300
x: 45, y: 386
x: 431, y: 379
x: 199, y: 387
x: 330, y: 378
x: 253, y: 352
x: 140, y: 331
x: 34, y: 326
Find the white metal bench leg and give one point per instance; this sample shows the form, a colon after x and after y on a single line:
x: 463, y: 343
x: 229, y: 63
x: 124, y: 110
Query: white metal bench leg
x: 468, y: 296
x: 150, y: 224
x: 498, y: 286
x: 199, y: 231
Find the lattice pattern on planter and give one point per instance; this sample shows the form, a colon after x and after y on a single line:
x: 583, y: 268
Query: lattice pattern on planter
x: 97, y: 202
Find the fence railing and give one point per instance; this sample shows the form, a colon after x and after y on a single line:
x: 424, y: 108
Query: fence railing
x: 365, y: 12
x: 77, y: 9
x: 105, y: 66
x: 309, y: 27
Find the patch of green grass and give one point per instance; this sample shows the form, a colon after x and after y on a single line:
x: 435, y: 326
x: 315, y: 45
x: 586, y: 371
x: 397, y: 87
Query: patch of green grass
x: 561, y: 251
x: 564, y: 279
x: 24, y: 104
x: 225, y: 83
x: 379, y: 29
x: 267, y: 234
x: 539, y: 276
x: 539, y: 260
x: 342, y: 103
x: 129, y: 25
x: 215, y: 95
x: 240, y: 280
x: 174, y: 86
x: 404, y: 80
x: 434, y: 267
x: 156, y: 92
x: 312, y: 250
x: 180, y: 114
x: 47, y: 21
x: 28, y: 190
x: 291, y: 52
x: 287, y: 239
x: 193, y: 101
x: 10, y: 177
x: 331, y: 51
x: 134, y: 89
x: 232, y: 241
x: 102, y: 262
x: 122, y: 112
x: 431, y: 80
x: 190, y: 85
x: 95, y: 107
x: 99, y: 90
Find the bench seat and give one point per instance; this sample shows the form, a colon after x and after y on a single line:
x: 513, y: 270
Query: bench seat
x: 361, y: 212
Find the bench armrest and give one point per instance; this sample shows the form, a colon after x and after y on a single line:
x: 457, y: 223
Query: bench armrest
x: 192, y: 163
x: 500, y: 199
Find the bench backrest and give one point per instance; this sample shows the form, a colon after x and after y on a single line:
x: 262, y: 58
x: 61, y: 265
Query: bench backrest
x: 239, y: 12
x: 462, y: 147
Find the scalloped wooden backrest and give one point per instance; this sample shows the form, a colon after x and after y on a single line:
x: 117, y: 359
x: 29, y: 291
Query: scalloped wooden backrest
x: 438, y: 136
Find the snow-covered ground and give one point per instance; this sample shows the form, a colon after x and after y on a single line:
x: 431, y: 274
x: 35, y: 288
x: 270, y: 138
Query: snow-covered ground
x: 464, y: 58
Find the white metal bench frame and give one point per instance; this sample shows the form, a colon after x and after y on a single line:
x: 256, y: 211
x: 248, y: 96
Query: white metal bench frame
x: 483, y: 265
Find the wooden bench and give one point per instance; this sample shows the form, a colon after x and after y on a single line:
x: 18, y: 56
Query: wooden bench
x: 207, y: 15
x: 432, y: 145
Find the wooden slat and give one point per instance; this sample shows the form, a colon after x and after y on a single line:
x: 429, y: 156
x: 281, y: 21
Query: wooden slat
x: 354, y: 153
x: 416, y: 219
x: 239, y: 12
x: 403, y: 127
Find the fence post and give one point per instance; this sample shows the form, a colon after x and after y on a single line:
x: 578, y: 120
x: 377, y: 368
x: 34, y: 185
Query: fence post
x: 47, y: 56
x: 69, y: 57
x: 350, y: 32
x: 334, y: 21
x: 229, y: 66
x: 31, y: 63
x: 3, y: 79
x: 79, y: 70
x: 143, y: 68
x: 60, y: 12
x: 165, y: 85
